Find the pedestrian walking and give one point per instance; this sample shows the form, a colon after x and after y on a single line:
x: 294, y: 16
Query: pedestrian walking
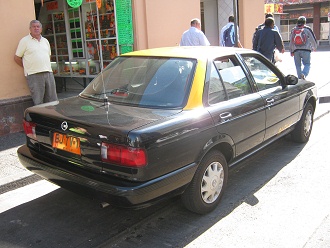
x: 227, y: 34
x: 302, y: 43
x: 268, y: 39
x: 194, y: 36
x: 262, y: 25
x: 33, y: 54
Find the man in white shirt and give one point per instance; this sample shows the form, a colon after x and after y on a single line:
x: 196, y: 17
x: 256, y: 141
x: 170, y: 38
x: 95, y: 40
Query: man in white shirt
x: 194, y: 36
x: 33, y: 54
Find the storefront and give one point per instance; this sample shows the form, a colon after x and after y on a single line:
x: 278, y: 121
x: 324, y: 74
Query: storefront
x: 316, y: 12
x: 84, y: 39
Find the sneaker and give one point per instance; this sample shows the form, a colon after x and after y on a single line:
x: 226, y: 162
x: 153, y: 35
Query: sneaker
x: 302, y: 76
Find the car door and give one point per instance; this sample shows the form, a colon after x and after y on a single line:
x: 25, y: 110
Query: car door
x: 237, y: 110
x: 281, y: 103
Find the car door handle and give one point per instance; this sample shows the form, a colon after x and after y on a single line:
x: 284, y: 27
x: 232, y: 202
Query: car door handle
x: 270, y: 102
x: 225, y: 116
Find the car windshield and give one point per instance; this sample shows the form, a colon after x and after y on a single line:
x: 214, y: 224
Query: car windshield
x: 144, y: 81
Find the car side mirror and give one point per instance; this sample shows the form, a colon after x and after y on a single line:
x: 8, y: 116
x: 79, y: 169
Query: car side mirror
x: 291, y: 80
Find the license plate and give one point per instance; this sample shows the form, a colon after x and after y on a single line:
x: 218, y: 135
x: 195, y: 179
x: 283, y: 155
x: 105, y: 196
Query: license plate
x: 66, y: 143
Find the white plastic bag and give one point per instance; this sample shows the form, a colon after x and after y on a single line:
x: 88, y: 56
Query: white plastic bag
x: 277, y: 56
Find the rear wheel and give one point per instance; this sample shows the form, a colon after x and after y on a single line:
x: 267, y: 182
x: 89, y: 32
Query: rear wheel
x: 207, y: 186
x: 303, y: 129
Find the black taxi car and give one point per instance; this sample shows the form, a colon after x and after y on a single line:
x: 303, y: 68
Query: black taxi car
x: 163, y: 122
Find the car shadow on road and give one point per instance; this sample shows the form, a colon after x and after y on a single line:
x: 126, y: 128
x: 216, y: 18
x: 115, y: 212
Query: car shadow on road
x: 63, y: 219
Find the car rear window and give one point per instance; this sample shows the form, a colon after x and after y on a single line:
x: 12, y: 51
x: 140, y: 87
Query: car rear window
x: 144, y: 81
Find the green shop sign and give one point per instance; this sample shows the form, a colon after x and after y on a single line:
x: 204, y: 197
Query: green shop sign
x: 74, y: 3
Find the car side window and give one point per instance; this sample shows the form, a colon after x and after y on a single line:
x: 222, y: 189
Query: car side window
x: 216, y: 91
x: 227, y: 81
x: 264, y: 77
x: 233, y: 77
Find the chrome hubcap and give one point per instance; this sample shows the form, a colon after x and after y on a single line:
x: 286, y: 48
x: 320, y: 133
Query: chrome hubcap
x: 212, y: 182
x: 308, y: 123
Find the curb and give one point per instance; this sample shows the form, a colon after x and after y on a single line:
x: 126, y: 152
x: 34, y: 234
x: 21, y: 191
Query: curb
x: 324, y: 99
x: 321, y: 115
x: 16, y: 184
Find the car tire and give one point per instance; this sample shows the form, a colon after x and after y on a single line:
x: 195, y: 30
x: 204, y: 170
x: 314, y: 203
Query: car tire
x: 303, y: 129
x: 208, y: 184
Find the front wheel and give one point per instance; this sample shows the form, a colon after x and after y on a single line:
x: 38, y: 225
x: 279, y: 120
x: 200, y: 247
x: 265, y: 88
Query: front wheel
x: 207, y: 186
x: 303, y: 129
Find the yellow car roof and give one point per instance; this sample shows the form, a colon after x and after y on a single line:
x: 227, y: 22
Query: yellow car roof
x: 195, y: 52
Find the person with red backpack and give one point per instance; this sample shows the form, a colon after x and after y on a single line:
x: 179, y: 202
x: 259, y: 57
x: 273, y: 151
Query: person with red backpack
x: 302, y: 43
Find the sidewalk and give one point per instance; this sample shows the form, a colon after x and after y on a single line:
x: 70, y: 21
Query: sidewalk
x: 323, y: 106
x: 13, y: 175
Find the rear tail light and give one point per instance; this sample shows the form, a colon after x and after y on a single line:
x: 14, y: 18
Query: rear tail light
x: 30, y: 129
x: 123, y: 155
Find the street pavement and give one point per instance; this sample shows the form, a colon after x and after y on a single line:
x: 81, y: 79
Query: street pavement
x: 13, y: 175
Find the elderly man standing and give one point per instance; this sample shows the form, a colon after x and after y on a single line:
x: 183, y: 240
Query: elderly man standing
x: 194, y: 36
x: 33, y: 54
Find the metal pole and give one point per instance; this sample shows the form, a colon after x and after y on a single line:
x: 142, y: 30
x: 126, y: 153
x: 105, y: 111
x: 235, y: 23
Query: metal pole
x: 235, y: 22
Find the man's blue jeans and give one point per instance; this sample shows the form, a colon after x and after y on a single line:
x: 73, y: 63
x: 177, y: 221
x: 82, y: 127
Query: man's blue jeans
x: 304, y: 57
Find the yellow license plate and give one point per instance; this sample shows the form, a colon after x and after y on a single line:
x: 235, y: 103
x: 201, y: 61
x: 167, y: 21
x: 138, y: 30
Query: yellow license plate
x: 66, y: 143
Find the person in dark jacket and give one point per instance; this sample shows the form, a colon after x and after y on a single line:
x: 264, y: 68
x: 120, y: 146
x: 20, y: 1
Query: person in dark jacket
x: 262, y: 25
x: 267, y: 39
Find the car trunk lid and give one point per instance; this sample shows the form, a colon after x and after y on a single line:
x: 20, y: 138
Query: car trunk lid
x: 89, y: 123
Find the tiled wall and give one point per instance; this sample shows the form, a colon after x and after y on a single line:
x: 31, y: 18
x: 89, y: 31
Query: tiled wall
x: 11, y: 114
x: 225, y: 9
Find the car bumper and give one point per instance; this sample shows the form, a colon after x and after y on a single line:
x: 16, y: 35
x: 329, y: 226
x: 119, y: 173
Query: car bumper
x: 102, y: 188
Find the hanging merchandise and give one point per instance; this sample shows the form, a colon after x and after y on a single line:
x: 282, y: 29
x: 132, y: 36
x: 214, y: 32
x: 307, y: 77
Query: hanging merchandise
x: 99, y: 3
x: 74, y: 3
x: 85, y: 37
